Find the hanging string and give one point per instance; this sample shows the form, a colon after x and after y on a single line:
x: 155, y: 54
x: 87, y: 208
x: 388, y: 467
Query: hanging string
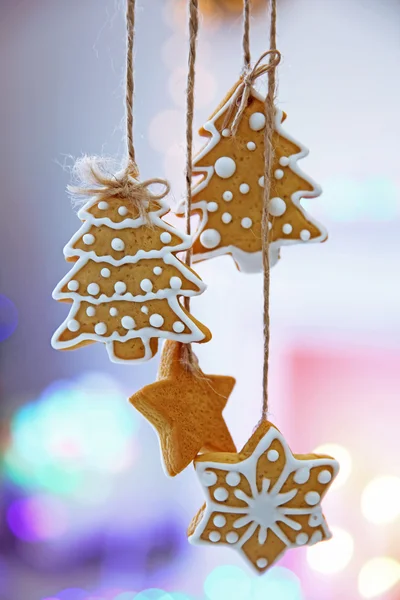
x: 130, y: 85
x: 246, y: 36
x: 269, y: 157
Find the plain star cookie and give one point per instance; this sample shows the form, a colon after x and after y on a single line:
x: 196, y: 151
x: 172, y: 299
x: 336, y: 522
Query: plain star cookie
x: 126, y: 282
x: 263, y: 500
x: 185, y: 407
x: 229, y: 197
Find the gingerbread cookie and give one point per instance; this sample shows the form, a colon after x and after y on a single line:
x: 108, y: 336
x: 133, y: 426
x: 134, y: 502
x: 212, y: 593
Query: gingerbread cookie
x: 263, y: 500
x: 229, y: 197
x: 185, y: 407
x: 126, y: 282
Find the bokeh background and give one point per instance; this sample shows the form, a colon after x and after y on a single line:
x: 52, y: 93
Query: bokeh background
x: 86, y: 511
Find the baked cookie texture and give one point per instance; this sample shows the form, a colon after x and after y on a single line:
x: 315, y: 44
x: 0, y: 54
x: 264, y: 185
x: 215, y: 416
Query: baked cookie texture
x: 126, y: 282
x: 185, y: 407
x: 230, y: 194
x: 263, y: 500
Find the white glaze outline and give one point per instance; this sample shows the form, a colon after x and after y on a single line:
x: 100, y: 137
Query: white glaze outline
x: 250, y: 262
x: 248, y: 468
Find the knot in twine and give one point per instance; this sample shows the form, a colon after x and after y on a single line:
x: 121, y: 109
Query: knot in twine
x: 248, y: 79
x: 95, y: 177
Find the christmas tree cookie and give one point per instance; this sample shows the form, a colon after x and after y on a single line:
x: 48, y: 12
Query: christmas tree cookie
x: 229, y: 196
x: 126, y: 282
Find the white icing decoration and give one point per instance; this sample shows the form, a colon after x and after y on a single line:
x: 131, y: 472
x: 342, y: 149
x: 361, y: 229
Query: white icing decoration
x: 316, y: 518
x: 157, y: 270
x: 305, y: 235
x: 146, y: 285
x: 123, y: 211
x: 156, y: 320
x: 165, y: 237
x: 278, y: 174
x: 284, y: 161
x: 120, y: 287
x: 100, y: 328
x: 261, y: 181
x: 145, y: 309
x: 264, y: 507
x: 178, y: 326
x: 277, y: 207
x: 324, y: 477
x: 226, y: 132
x: 105, y: 272
x: 113, y: 311
x: 214, y: 536
x: 175, y: 283
x: 246, y: 223
x: 273, y: 455
x: 212, y: 206
x: 244, y: 188
x: 225, y: 167
x: 251, y: 146
x: 287, y: 228
x: 128, y: 322
x: 73, y: 285
x: 227, y: 196
x: 90, y: 311
x: 233, y: 479
x: 88, y: 239
x: 226, y: 218
x: 73, y: 325
x: 302, y: 475
x: 257, y: 121
x: 103, y: 205
x: 315, y: 538
x: 117, y: 244
x: 93, y: 289
x: 269, y: 225
x: 232, y: 537
x: 219, y: 521
x: 210, y: 238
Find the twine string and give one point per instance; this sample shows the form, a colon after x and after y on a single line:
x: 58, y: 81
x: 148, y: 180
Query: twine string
x: 246, y: 36
x: 130, y: 86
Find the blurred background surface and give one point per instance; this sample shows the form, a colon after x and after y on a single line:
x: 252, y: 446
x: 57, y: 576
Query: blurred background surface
x: 86, y: 511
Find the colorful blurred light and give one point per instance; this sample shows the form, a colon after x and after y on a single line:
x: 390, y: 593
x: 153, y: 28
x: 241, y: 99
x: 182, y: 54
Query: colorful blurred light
x: 165, y: 129
x: 378, y: 576
x: 342, y: 455
x: 380, y: 500
x: 333, y: 555
x: 37, y: 518
x: 8, y: 317
x: 206, y: 87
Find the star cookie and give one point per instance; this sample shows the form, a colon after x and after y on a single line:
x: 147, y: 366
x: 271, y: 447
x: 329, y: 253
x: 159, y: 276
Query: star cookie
x: 263, y: 500
x: 185, y: 407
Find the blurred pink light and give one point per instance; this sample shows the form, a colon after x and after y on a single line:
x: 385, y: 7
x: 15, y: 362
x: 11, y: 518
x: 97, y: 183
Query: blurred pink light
x: 37, y: 518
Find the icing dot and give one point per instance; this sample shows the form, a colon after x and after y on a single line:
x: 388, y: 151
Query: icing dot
x: 315, y: 538
x: 226, y: 218
x: 157, y: 270
x: 113, y: 311
x: 219, y: 521
x: 175, y: 283
x: 226, y: 132
x: 117, y: 244
x: 212, y: 206
x: 324, y: 476
x: 273, y: 455
x: 278, y: 174
x: 261, y: 181
x: 305, y: 235
x: 90, y: 311
x: 277, y: 206
x: 315, y: 520
x: 210, y: 238
x: 232, y: 537
x: 227, y: 196
x: 246, y: 223
x: 221, y: 494
x: 128, y: 323
x: 178, y: 326
x: 312, y: 498
x: 209, y: 478
x: 165, y: 237
x: 105, y: 272
x: 284, y: 161
x: 261, y: 563
x: 102, y: 205
x: 244, y: 188
x: 232, y: 479
x: 100, y: 328
x: 93, y: 289
x: 123, y: 211
x: 156, y: 320
x: 287, y: 228
x: 301, y: 539
x: 73, y: 325
x: 251, y: 146
x: 269, y: 225
x: 225, y: 167
x: 302, y: 475
x: 73, y: 285
x: 145, y: 309
x: 120, y: 287
x: 88, y: 239
x: 146, y: 285
x: 214, y: 536
x: 257, y: 121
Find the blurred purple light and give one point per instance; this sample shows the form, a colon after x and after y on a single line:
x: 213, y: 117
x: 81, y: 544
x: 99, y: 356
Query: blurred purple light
x: 37, y: 518
x: 8, y: 317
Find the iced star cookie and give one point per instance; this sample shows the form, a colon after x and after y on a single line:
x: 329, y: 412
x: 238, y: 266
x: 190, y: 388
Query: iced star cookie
x: 263, y: 500
x: 185, y: 407
x: 126, y: 283
x: 229, y: 196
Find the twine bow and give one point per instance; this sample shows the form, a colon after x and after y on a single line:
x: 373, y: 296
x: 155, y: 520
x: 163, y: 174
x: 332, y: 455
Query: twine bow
x: 248, y: 79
